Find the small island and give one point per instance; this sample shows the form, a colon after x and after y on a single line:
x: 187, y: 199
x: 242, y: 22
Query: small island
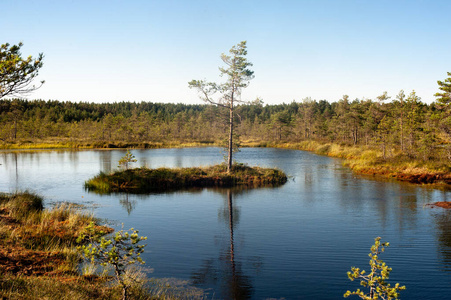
x: 145, y: 180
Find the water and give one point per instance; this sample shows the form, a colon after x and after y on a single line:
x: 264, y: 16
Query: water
x: 295, y: 242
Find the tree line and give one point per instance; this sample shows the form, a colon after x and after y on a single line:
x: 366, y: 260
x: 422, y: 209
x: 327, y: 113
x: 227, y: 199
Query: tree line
x: 403, y: 124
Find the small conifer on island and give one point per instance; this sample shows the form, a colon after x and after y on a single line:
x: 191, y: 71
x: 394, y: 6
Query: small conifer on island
x: 126, y: 160
x: 375, y: 280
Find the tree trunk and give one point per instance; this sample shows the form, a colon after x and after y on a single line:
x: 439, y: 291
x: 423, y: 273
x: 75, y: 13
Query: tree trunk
x: 124, y: 292
x: 229, y: 160
x: 356, y: 137
x: 122, y: 284
x: 402, y: 130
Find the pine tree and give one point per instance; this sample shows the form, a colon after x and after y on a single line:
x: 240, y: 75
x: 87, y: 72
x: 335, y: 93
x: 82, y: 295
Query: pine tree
x: 444, y: 105
x: 238, y: 77
x: 444, y: 98
x: 17, y: 73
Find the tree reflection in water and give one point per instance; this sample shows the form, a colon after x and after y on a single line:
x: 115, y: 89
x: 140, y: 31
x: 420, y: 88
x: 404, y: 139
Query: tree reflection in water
x: 443, y: 220
x: 226, y: 273
x: 126, y: 203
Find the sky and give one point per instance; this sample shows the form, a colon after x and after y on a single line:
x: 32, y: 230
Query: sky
x: 146, y: 50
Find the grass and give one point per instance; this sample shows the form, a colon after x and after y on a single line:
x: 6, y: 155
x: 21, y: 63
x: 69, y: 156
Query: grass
x: 81, y: 144
x: 142, y: 180
x: 39, y: 241
x: 370, y: 161
x: 38, y: 253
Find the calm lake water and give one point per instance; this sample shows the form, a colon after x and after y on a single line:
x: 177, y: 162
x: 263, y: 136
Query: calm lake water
x: 295, y: 242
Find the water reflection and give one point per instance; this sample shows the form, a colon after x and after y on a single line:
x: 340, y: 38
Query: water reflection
x: 226, y: 272
x: 105, y: 160
x: 14, y: 155
x: 442, y: 218
x: 443, y: 221
x: 128, y: 204
x: 11, y: 165
x: 73, y: 158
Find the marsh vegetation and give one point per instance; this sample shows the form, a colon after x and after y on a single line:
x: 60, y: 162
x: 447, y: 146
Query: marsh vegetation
x: 39, y: 258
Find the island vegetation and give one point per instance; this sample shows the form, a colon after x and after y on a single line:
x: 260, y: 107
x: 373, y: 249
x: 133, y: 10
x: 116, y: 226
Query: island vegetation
x: 145, y: 180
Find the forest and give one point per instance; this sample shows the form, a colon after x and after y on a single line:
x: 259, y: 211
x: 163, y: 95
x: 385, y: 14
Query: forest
x: 403, y: 126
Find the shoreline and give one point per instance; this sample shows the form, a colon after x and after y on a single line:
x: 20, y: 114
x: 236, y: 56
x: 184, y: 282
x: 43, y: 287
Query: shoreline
x: 360, y: 159
x: 368, y: 162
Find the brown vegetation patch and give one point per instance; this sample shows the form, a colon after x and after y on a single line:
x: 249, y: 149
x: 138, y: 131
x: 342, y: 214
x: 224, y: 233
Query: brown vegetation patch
x: 417, y: 178
x: 18, y: 260
x: 21, y: 246
x: 5, y: 219
x: 426, y: 178
x: 442, y: 204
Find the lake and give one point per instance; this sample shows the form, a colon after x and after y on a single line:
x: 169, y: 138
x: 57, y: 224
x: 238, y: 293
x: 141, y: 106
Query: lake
x: 296, y: 241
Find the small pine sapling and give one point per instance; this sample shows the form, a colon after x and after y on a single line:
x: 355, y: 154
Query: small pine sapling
x: 119, y: 251
x: 375, y: 280
x: 126, y: 160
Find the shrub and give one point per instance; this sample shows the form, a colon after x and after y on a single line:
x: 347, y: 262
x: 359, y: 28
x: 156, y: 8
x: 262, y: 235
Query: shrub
x: 375, y: 280
x: 119, y: 251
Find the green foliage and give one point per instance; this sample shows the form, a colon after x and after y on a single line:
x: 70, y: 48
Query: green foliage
x: 120, y: 251
x: 375, y: 281
x: 17, y: 73
x: 444, y: 98
x: 126, y: 160
x: 444, y: 105
x: 238, y: 77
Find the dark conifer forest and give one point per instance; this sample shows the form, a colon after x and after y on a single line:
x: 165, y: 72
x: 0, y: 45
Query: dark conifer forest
x: 401, y: 126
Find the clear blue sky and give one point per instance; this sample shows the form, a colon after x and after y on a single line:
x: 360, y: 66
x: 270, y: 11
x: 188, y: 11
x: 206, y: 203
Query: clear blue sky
x: 118, y: 50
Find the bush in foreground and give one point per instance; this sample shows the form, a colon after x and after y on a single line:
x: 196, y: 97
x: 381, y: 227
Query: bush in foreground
x: 375, y: 280
x: 119, y: 251
x: 38, y: 252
